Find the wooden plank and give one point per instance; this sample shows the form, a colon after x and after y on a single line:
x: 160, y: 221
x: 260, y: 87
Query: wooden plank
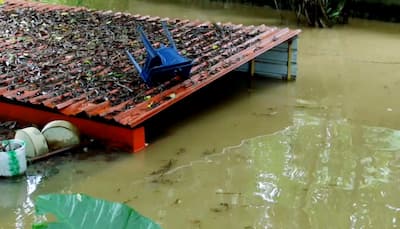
x: 289, y: 61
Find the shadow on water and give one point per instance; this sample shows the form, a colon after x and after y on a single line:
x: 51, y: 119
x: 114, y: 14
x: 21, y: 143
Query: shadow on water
x: 222, y: 92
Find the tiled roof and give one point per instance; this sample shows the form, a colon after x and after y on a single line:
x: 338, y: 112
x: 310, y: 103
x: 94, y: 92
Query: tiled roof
x: 72, y: 60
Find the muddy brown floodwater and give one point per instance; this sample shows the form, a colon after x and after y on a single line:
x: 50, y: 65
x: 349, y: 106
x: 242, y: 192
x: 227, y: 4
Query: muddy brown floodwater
x: 320, y: 152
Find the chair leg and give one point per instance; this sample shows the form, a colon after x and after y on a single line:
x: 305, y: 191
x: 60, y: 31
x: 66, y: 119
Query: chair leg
x: 132, y: 59
x: 149, y: 48
x: 169, y: 36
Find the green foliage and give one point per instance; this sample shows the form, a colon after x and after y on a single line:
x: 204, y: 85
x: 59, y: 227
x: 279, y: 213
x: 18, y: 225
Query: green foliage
x: 322, y: 13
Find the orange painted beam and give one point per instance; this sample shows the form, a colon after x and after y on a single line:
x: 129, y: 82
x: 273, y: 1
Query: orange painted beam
x: 134, y: 138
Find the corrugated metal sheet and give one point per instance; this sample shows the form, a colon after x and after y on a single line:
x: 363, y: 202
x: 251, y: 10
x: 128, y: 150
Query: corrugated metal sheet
x: 274, y: 63
x: 72, y: 60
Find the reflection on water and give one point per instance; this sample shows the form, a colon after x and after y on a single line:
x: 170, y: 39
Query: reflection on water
x: 17, y: 194
x: 316, y: 171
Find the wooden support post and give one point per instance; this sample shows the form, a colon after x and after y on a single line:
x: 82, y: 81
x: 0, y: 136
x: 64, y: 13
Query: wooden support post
x: 252, y: 69
x: 289, y: 62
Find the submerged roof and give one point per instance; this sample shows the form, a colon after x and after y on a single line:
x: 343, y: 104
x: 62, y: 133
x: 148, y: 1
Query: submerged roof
x: 72, y: 60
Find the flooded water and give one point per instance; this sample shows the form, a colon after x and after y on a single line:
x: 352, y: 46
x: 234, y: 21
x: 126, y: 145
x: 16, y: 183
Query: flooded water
x: 320, y: 152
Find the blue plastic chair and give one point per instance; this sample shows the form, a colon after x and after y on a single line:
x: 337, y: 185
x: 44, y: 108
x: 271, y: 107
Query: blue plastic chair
x: 163, y: 63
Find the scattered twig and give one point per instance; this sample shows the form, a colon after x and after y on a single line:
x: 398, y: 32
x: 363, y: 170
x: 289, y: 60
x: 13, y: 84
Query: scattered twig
x: 121, y: 85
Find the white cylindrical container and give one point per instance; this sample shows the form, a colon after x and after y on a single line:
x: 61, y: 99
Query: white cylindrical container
x: 60, y: 134
x: 35, y: 142
x: 13, y: 160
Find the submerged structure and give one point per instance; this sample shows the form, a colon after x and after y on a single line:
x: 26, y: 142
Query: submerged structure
x: 60, y: 62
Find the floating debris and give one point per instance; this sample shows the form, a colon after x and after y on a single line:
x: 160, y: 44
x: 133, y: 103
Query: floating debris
x: 164, y: 168
x: 306, y: 104
x: 221, y: 208
x: 209, y: 152
x: 181, y: 151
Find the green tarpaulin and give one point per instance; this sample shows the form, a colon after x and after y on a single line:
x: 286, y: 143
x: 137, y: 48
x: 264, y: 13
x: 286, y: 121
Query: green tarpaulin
x: 81, y: 211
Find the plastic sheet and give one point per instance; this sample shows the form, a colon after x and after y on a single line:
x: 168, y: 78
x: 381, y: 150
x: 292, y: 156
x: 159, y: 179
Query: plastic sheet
x: 82, y: 211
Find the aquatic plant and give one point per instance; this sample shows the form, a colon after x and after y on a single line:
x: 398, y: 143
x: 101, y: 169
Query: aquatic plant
x: 321, y: 13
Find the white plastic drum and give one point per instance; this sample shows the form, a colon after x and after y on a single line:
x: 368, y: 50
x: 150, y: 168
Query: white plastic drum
x: 60, y: 134
x: 35, y: 142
